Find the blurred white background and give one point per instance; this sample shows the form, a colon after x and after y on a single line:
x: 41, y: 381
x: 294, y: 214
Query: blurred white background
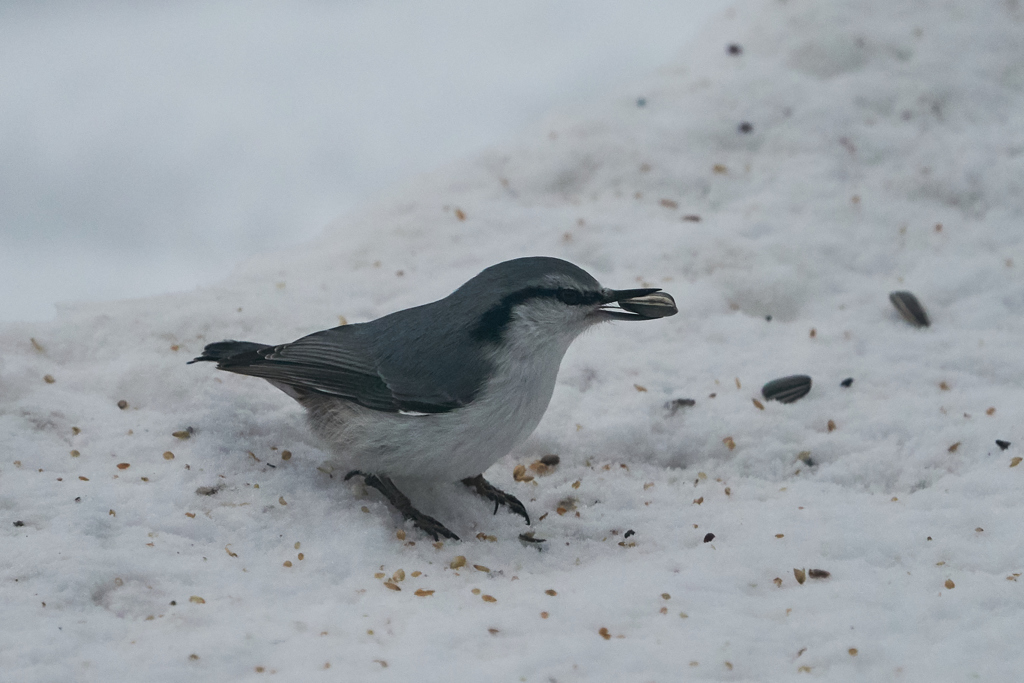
x: 150, y: 147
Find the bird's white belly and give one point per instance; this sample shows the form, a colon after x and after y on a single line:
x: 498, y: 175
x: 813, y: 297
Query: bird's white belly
x: 440, y: 446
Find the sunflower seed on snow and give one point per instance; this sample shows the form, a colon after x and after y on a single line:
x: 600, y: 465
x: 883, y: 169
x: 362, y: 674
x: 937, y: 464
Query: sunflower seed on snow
x: 910, y: 308
x: 787, y: 389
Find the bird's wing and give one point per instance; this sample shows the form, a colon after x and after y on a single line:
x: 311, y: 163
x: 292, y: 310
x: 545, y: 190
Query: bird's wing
x: 336, y: 362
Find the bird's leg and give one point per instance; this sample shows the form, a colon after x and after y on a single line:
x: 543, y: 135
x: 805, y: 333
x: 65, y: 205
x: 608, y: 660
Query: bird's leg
x: 492, y: 492
x: 402, y: 503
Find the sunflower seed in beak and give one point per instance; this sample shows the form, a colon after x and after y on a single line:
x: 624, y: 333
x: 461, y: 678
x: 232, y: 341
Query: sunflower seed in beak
x: 787, y: 389
x: 656, y: 305
x: 910, y: 308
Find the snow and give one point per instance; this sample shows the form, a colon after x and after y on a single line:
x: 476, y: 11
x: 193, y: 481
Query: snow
x: 886, y: 153
x: 148, y: 148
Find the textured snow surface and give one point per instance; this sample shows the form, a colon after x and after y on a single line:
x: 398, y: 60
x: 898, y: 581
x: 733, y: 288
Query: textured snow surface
x: 885, y: 152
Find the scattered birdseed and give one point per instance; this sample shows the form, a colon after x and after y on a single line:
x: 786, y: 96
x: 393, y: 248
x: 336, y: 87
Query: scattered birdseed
x: 734, y: 49
x: 544, y: 615
x: 1003, y: 445
x: 990, y: 411
x: 123, y: 465
x: 49, y: 379
x: 488, y: 598
x: 952, y: 448
x: 75, y: 454
x: 777, y: 581
x: 758, y: 404
x: 910, y: 308
x: 675, y: 404
x: 183, y: 433
x: 666, y: 596
x: 287, y: 563
x: 729, y: 442
x: 398, y: 576
x: 122, y: 404
x: 831, y: 425
x: 168, y: 455
x: 949, y: 584
x: 423, y: 592
x: 800, y: 575
x: 550, y: 460
x: 787, y: 389
x: 669, y: 203
x: 519, y: 474
x: 1015, y: 460
x: 286, y: 455
x: 852, y: 651
x: 391, y: 586
x: 400, y: 534
x: 379, y: 575
x: 709, y: 537
x: 779, y: 535
x: 458, y: 561
x: 550, y: 591
x: 846, y: 382
x: 481, y: 568
x: 818, y: 573
x: 746, y: 127
x: 604, y: 633
x: 198, y: 600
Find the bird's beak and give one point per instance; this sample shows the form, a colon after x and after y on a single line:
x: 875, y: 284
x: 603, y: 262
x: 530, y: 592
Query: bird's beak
x: 638, y: 304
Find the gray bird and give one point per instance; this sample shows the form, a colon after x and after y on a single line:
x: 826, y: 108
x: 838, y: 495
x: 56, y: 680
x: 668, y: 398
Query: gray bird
x: 440, y: 392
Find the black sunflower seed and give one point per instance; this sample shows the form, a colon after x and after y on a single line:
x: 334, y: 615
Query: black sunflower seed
x: 910, y: 308
x: 1003, y: 445
x: 787, y: 389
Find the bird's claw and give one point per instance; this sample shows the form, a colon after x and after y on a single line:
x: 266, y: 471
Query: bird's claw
x: 492, y: 492
x: 401, y: 502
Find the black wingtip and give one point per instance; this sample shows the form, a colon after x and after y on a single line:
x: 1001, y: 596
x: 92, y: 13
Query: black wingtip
x: 223, y: 350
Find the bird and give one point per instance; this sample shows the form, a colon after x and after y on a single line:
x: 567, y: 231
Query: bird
x: 442, y: 391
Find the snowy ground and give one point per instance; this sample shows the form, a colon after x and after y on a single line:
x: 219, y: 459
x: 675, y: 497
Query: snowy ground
x: 885, y: 151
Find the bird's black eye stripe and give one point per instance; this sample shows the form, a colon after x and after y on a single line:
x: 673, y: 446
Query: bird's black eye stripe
x: 492, y: 324
x: 571, y: 297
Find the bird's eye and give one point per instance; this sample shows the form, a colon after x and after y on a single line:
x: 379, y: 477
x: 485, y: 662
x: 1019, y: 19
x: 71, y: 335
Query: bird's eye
x: 570, y: 297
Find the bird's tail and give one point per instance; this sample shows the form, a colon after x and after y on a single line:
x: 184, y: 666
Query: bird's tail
x: 220, y: 351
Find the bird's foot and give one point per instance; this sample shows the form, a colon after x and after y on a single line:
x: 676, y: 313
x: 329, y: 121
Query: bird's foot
x: 402, y: 503
x: 493, y: 493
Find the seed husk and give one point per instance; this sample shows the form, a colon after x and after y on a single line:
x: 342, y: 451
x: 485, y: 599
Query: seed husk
x: 910, y: 308
x: 656, y: 305
x: 787, y: 389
